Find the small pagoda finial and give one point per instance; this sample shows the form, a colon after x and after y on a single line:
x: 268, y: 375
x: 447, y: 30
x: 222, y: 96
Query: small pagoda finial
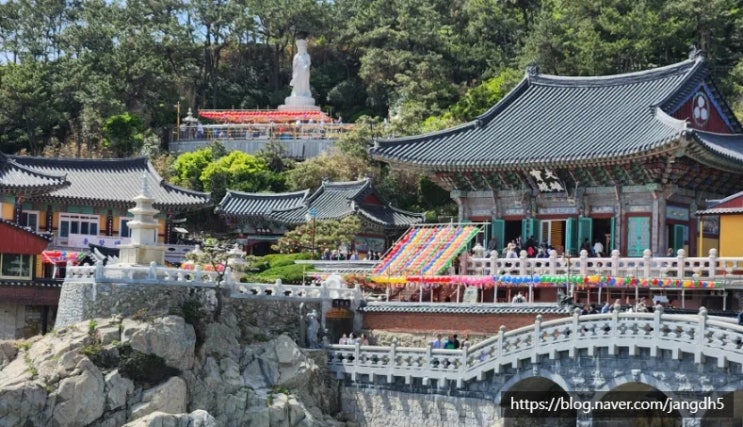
x: 145, y: 189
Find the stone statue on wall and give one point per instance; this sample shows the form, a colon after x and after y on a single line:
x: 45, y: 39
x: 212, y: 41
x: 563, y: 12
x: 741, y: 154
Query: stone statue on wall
x: 301, y: 71
x: 313, y: 329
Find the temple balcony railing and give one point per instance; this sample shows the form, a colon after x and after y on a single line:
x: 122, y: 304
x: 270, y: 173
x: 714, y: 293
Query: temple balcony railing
x: 697, y: 335
x: 246, y: 131
x: 726, y: 270
x: 299, y: 141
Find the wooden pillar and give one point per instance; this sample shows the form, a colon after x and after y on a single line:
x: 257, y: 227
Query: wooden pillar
x: 49, y: 219
x: 18, y: 209
x: 169, y: 229
x: 110, y: 223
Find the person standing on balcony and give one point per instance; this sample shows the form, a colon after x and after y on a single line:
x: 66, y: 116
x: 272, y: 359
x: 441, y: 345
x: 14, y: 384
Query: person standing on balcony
x: 598, y: 249
x: 437, y: 343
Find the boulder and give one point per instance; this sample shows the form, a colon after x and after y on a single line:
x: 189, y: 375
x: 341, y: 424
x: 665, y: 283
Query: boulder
x: 8, y: 352
x: 197, y: 418
x: 22, y: 404
x: 108, y: 334
x: 170, y: 397
x: 118, y: 390
x: 277, y: 362
x: 80, y: 398
x: 170, y: 338
x: 221, y: 341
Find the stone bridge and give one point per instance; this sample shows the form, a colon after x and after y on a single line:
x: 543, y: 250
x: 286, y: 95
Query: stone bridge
x: 682, y: 361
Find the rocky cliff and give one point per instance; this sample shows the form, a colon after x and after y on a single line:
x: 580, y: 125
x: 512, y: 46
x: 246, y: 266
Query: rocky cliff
x: 163, y: 371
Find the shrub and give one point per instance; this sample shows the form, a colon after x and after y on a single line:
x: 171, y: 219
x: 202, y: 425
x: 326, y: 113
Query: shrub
x: 141, y: 368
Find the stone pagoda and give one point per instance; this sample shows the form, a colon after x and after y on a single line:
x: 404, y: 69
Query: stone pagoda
x: 143, y: 248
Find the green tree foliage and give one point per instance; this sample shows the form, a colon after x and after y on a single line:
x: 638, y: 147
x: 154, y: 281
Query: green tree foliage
x: 188, y: 168
x: 329, y: 234
x: 481, y: 98
x: 68, y: 66
x: 235, y: 171
x: 334, y: 165
x: 29, y: 116
x: 123, y: 134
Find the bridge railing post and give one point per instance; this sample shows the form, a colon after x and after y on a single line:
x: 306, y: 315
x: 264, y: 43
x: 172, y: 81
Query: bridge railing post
x: 429, y: 359
x: 537, y: 339
x: 576, y: 330
x: 393, y: 361
x: 614, y: 330
x: 700, y: 336
x: 463, y: 367
x: 356, y: 357
x: 657, y: 325
x: 499, y: 349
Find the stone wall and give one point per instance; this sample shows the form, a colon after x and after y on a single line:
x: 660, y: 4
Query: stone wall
x: 374, y: 407
x: 11, y: 320
x: 258, y: 319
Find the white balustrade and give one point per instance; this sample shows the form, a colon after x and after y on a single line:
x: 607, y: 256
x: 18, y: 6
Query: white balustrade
x: 680, y: 267
x: 319, y: 291
x: 153, y: 274
x: 695, y: 335
x: 197, y: 277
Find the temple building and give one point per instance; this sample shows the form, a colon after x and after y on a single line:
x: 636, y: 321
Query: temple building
x: 721, y: 226
x: 27, y: 299
x: 53, y: 209
x: 625, y: 160
x: 260, y: 219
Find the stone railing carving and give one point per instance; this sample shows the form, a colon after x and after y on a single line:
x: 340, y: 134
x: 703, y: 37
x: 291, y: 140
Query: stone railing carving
x: 697, y: 335
x: 197, y: 277
x: 678, y: 267
x: 319, y: 291
x: 153, y: 273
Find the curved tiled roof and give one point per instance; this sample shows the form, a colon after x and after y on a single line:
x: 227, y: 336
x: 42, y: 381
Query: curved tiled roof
x: 727, y: 146
x: 17, y: 177
x: 553, y: 119
x: 729, y: 205
x: 389, y: 215
x: 113, y: 181
x: 336, y: 200
x: 43, y: 236
x: 237, y: 203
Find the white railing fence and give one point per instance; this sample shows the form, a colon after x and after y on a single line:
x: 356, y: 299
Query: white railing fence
x: 678, y: 267
x: 198, y: 277
x: 697, y: 335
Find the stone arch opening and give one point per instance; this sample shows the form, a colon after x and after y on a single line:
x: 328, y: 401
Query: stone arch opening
x: 527, y: 403
x: 646, y: 409
x: 721, y: 411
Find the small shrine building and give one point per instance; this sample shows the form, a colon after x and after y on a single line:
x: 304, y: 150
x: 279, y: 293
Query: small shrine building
x: 260, y: 219
x: 625, y: 160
